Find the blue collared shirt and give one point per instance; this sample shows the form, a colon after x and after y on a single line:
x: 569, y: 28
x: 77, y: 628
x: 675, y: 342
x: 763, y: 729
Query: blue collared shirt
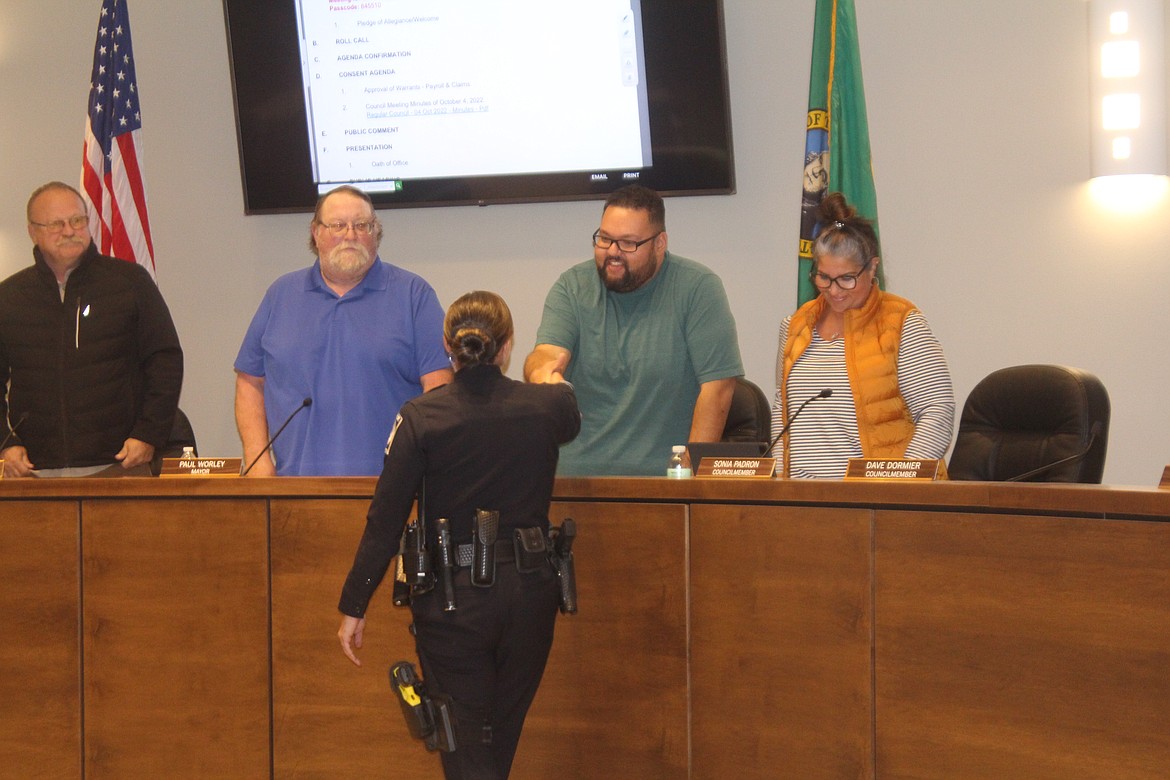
x: 359, y: 357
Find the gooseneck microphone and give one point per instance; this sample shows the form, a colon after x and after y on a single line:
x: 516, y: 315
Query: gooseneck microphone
x: 12, y: 431
x: 268, y: 446
x: 1096, y: 429
x: 828, y: 391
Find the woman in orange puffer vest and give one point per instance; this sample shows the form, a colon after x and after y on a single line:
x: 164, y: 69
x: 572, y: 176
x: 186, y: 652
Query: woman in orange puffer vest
x: 891, y: 393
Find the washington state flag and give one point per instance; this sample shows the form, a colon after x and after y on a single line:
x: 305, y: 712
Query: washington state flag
x: 836, y: 147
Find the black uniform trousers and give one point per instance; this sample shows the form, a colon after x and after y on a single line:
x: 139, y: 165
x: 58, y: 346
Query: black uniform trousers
x: 488, y: 656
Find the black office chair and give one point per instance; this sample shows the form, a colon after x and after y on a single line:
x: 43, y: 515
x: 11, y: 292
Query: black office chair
x: 750, y: 416
x: 182, y: 435
x: 1024, y: 418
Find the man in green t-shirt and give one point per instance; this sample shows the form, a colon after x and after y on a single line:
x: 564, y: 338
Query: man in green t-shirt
x: 647, y: 339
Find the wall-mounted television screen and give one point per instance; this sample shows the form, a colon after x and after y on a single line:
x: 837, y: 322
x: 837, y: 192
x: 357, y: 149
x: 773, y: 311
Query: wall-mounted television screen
x: 457, y: 102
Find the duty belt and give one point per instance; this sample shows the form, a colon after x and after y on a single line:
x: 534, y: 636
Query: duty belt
x: 530, y: 549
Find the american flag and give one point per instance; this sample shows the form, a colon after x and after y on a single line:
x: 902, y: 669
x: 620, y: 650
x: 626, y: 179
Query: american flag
x: 111, y: 173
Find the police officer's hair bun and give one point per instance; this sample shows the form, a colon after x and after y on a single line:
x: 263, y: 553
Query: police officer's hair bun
x: 472, y: 346
x: 477, y: 326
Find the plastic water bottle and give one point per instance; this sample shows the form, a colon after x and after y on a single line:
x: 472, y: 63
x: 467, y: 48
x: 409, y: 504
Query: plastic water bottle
x: 679, y: 466
x: 188, y: 452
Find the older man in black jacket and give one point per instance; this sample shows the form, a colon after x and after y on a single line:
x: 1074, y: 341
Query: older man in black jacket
x: 88, y: 352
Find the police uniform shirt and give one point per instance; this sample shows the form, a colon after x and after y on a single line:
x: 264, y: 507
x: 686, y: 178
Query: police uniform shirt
x: 482, y: 442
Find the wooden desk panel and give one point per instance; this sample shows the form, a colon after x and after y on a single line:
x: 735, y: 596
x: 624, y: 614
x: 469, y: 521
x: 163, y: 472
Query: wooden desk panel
x: 613, y: 700
x: 780, y: 635
x: 175, y: 627
x: 331, y: 718
x: 40, y: 655
x: 1011, y: 647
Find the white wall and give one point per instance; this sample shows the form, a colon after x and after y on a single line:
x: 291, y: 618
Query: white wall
x: 979, y: 126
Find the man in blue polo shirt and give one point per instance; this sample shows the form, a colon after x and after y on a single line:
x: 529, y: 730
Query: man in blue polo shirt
x: 356, y: 335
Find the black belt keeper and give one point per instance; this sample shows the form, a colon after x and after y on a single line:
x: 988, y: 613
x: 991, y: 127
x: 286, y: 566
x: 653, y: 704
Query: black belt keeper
x: 483, y: 565
x: 464, y: 553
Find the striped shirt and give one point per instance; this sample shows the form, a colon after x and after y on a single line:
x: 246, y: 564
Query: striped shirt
x: 825, y: 435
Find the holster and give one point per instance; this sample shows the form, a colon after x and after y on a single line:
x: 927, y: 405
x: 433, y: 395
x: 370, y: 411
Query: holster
x: 401, y: 592
x: 428, y: 718
x: 417, y: 567
x: 483, y: 564
x: 446, y: 564
x: 560, y: 554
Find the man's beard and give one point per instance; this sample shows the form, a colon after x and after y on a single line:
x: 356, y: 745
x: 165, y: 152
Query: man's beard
x: 628, y: 281
x: 347, y: 260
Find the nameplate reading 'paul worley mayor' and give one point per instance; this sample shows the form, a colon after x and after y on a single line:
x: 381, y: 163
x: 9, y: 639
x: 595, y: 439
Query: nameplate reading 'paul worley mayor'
x: 895, y: 468
x: 200, y: 467
x: 736, y: 467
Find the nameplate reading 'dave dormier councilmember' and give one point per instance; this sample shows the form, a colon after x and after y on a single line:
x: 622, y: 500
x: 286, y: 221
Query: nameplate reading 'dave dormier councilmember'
x: 895, y: 468
x: 200, y: 467
x: 736, y: 467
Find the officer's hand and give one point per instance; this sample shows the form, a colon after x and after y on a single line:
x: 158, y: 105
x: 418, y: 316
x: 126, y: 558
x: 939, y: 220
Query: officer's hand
x: 350, y: 635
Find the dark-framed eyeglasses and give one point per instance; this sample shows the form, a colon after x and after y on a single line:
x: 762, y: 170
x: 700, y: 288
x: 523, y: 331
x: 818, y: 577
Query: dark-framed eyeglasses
x: 339, y: 228
x: 844, y: 281
x: 623, y: 244
x: 57, y: 225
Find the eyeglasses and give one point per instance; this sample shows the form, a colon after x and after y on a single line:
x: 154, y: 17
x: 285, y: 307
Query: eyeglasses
x: 623, y: 244
x: 57, y: 225
x: 339, y: 228
x: 844, y: 281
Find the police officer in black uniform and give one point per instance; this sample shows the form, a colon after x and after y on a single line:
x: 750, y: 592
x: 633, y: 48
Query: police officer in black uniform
x: 484, y: 442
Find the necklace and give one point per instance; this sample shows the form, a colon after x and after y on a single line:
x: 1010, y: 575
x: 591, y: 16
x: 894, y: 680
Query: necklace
x: 823, y: 329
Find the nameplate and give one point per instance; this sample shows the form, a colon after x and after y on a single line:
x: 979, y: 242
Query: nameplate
x: 896, y: 468
x: 737, y: 468
x: 200, y: 467
x: 1164, y: 484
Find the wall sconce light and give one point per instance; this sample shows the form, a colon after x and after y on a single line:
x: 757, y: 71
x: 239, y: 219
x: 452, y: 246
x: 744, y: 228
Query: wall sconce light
x: 1128, y: 87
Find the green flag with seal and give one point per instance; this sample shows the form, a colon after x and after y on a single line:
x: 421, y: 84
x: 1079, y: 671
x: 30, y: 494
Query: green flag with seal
x: 836, y: 147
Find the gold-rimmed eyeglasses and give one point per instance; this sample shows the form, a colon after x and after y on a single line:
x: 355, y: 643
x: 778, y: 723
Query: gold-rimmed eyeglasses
x: 57, y: 225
